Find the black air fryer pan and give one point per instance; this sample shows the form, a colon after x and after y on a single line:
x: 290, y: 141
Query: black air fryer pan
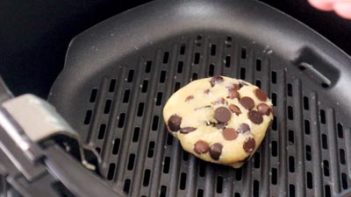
x: 119, y: 74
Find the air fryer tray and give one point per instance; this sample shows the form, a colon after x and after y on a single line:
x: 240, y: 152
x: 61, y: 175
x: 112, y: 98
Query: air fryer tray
x: 119, y: 73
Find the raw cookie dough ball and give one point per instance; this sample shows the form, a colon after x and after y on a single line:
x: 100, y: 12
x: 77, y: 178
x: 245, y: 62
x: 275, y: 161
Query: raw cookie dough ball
x: 220, y: 119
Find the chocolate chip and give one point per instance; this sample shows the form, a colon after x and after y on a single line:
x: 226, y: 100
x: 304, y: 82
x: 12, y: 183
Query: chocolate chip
x: 243, y: 128
x: 264, y: 109
x: 233, y: 93
x: 247, y: 102
x: 255, y: 117
x: 216, y: 151
x: 216, y: 79
x: 234, y: 109
x: 201, y: 147
x: 249, y: 145
x: 187, y: 130
x: 222, y: 114
x: 174, y: 122
x: 229, y: 134
x: 260, y: 95
x: 188, y: 98
x: 207, y: 91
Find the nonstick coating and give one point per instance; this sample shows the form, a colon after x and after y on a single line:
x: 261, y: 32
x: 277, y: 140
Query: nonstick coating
x: 119, y: 74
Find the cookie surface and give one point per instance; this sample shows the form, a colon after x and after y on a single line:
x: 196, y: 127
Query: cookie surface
x: 220, y: 119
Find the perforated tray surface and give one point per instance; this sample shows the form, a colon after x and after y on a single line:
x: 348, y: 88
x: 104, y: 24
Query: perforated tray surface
x: 119, y: 74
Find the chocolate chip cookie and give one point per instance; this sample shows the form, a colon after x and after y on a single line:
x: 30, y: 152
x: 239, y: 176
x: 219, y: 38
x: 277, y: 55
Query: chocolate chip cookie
x: 220, y: 119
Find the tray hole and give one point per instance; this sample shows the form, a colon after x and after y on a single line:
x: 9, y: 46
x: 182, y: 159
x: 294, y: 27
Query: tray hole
x: 326, y: 168
x: 243, y: 53
x: 130, y: 76
x: 307, y: 127
x: 327, y: 191
x: 274, y: 123
x: 309, y: 178
x: 219, y: 185
x: 344, y: 181
x: 148, y: 66
x: 155, y: 123
x: 274, y: 148
x: 185, y: 156
x: 111, y: 171
x: 197, y: 58
x: 166, y: 165
x: 291, y: 190
x: 274, y: 77
x: 126, y: 186
x: 342, y: 156
x: 257, y: 160
x: 126, y: 96
x: 144, y: 86
x: 322, y: 115
x: 274, y: 99
x: 131, y: 161
x: 198, y: 41
x: 163, y: 76
x: 211, y: 70
x: 237, y: 194
x: 258, y: 83
x: 180, y: 67
x: 151, y: 149
x: 291, y: 137
x: 202, y: 169
x: 324, y: 141
x: 290, y: 90
x: 291, y: 164
x: 98, y: 150
x: 169, y: 139
x: 136, y: 134
x: 213, y: 49
x: 146, y: 179
x: 256, y: 188
x: 290, y: 113
x: 182, y: 49
x: 195, y: 76
x: 306, y: 104
x: 115, y: 148
x: 340, y: 131
x: 88, y: 116
x: 165, y: 57
x: 102, y: 130
x: 274, y: 177
x: 242, y: 73
x: 112, y: 85
x: 93, y: 95
x: 258, y: 64
x: 163, y: 191
x: 228, y: 42
x: 182, y: 181
x: 140, y: 109
x: 227, y: 61
x: 107, y: 106
x: 158, y: 98
x: 177, y: 86
x: 200, y: 193
x: 308, y: 153
x: 238, y: 174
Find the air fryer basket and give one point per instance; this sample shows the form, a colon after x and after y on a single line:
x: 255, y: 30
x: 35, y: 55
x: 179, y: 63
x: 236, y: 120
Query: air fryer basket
x: 119, y: 73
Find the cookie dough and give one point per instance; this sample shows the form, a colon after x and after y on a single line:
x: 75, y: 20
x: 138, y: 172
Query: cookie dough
x: 220, y: 119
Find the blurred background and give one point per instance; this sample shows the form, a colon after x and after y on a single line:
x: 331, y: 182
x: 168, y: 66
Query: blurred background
x: 34, y: 35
